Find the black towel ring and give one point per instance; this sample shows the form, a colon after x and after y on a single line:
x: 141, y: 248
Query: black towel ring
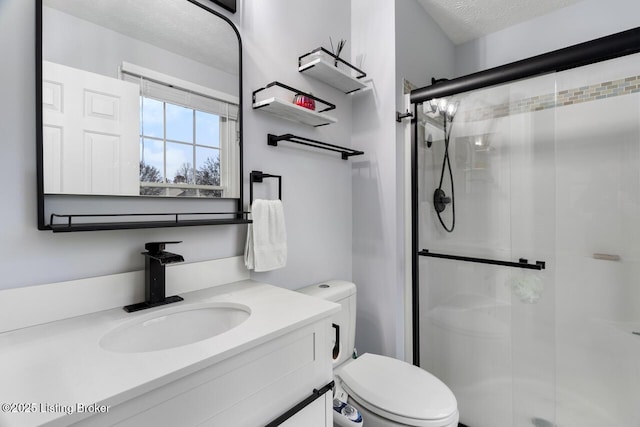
x: 258, y: 176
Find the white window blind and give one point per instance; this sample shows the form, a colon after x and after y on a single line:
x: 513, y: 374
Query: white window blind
x: 171, y: 89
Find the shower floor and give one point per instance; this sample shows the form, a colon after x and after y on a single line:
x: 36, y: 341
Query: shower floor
x: 571, y: 409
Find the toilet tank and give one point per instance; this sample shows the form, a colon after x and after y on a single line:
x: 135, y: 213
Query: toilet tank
x: 343, y: 293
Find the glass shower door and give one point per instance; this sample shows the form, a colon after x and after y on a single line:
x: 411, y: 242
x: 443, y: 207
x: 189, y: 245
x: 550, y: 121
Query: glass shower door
x: 488, y: 331
x: 598, y: 244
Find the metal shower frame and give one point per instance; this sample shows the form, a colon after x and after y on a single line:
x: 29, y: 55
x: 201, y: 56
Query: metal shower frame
x: 601, y: 49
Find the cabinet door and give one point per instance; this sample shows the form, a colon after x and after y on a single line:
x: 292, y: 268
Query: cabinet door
x: 248, y: 390
x: 317, y: 414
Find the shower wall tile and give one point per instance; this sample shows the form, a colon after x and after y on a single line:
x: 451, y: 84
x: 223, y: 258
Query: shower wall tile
x: 577, y: 95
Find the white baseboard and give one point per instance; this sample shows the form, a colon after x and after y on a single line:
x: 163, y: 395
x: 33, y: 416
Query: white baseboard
x: 34, y: 305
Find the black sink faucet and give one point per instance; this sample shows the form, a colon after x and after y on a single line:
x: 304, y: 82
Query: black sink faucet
x: 154, y: 276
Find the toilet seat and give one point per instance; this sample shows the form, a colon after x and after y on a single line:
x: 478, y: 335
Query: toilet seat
x: 398, y: 391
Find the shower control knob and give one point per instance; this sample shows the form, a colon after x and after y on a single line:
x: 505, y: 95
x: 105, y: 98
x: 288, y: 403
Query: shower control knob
x: 440, y: 200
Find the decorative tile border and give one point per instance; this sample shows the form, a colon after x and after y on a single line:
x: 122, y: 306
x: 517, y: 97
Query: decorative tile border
x: 562, y: 98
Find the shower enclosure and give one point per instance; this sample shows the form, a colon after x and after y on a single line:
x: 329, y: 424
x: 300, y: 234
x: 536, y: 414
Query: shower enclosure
x: 529, y: 308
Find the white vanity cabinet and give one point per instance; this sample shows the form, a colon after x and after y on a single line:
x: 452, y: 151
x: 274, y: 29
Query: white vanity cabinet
x: 258, y: 373
x: 317, y: 414
x: 250, y: 389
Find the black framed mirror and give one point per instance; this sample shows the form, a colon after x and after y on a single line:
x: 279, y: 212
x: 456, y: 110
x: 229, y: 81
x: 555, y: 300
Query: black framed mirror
x: 139, y: 115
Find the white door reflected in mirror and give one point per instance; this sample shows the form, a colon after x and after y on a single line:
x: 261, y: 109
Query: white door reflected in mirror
x: 90, y: 133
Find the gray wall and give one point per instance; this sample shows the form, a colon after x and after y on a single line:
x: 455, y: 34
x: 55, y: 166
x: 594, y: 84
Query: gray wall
x: 376, y: 261
x: 317, y: 186
x: 574, y: 24
x: 391, y: 41
x: 423, y: 51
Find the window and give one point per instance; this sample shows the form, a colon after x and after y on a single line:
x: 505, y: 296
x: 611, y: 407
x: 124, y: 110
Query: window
x: 188, y: 141
x: 179, y: 145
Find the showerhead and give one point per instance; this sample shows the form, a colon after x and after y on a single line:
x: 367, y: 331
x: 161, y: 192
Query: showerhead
x: 433, y: 105
x: 452, y: 109
x: 443, y: 107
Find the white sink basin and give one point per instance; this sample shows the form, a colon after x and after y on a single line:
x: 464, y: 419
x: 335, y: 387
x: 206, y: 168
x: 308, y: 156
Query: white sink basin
x: 174, y: 327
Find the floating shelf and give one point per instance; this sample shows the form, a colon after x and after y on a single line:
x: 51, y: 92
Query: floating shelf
x: 290, y: 111
x: 344, y: 151
x: 296, y: 113
x: 330, y: 69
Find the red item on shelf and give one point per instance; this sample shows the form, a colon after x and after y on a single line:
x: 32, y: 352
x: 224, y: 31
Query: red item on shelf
x: 304, y: 101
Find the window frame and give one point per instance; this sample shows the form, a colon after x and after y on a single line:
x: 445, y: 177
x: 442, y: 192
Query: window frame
x: 229, y: 134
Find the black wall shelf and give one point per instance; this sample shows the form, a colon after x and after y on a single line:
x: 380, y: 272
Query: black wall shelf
x: 345, y: 152
x: 330, y: 69
x: 177, y: 220
x: 288, y: 110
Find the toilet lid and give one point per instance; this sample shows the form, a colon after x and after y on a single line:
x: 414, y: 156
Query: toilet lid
x: 397, y: 388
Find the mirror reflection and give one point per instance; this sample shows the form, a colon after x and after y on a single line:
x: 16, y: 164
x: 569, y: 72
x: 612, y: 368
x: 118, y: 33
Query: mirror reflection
x: 140, y: 98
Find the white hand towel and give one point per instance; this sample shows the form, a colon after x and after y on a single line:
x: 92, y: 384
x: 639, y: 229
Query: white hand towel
x: 266, y: 247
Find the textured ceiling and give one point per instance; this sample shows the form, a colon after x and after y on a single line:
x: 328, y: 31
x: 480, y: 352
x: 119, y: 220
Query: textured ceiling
x: 178, y: 27
x: 464, y: 20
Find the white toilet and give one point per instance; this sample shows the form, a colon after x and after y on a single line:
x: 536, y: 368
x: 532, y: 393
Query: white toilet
x: 387, y: 392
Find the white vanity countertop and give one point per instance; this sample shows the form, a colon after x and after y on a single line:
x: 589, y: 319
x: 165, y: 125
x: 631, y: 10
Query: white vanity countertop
x: 61, y: 363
